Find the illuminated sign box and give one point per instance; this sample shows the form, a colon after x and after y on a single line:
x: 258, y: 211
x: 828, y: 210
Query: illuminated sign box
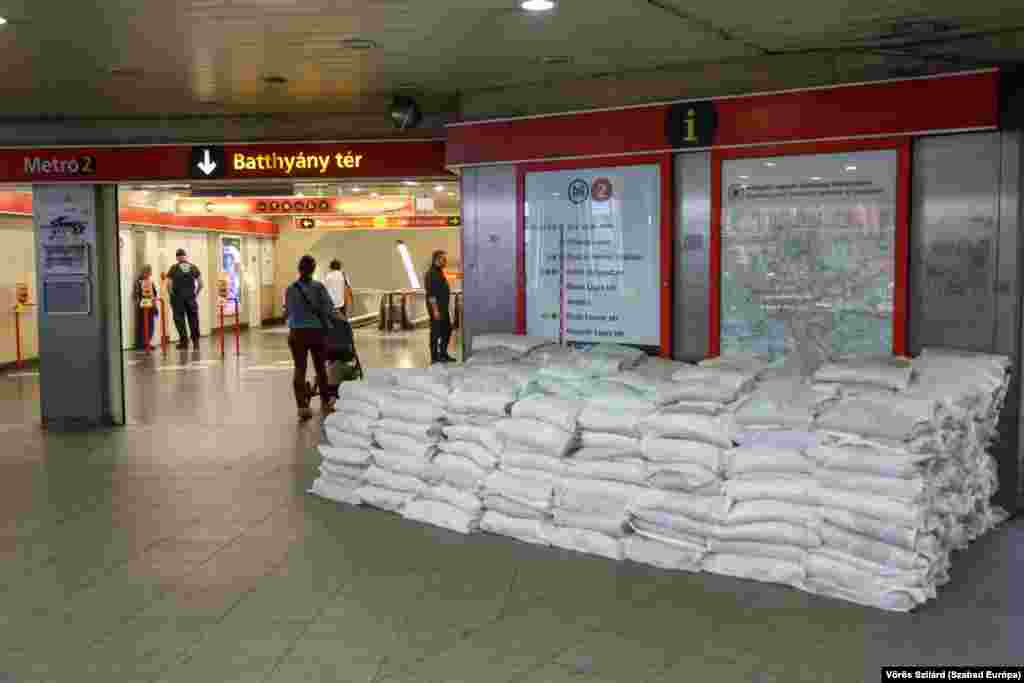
x: 291, y: 206
x: 379, y: 222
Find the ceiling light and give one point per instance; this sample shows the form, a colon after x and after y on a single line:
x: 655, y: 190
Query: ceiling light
x: 815, y: 177
x: 537, y: 5
x: 2, y: 21
x: 770, y: 164
x: 439, y: 188
x: 410, y: 183
x: 374, y: 195
x: 851, y: 167
x: 358, y: 44
x: 357, y: 189
x: 451, y: 194
x: 744, y: 177
x: 275, y: 80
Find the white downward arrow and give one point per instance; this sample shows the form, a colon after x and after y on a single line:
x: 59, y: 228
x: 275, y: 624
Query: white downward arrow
x: 207, y: 165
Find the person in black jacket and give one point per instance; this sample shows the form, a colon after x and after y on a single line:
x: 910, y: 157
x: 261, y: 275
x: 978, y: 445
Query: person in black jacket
x: 438, y: 306
x: 185, y: 282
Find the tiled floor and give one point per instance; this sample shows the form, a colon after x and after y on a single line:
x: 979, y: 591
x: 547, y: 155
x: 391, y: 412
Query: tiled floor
x: 183, y: 548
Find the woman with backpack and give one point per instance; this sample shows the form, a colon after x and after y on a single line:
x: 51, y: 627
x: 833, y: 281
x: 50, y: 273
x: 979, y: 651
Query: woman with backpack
x: 309, y: 310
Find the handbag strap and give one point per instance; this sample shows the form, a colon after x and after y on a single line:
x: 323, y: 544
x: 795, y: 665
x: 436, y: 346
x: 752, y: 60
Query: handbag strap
x: 309, y: 304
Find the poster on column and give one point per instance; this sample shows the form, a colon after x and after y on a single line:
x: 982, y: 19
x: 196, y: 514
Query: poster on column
x: 65, y: 219
x: 593, y: 255
x: 231, y: 267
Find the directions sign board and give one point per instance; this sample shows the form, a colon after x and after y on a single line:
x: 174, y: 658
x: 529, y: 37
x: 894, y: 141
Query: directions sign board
x: 324, y: 161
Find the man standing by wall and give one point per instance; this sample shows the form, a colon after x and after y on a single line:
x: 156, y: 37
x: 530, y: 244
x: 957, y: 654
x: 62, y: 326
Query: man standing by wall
x: 438, y: 305
x: 340, y: 289
x: 185, y: 284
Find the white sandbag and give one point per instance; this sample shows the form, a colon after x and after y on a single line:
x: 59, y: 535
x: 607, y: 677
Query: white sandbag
x: 595, y: 453
x: 511, y: 508
x: 337, y: 492
x: 354, y: 416
x: 539, y: 436
x: 404, y: 464
x: 346, y: 456
x: 382, y: 478
x: 667, y: 535
x: 911, y: 489
x: 437, y: 513
x: 886, y: 373
x: 883, y: 554
x: 889, y: 509
x: 432, y: 384
x: 555, y: 411
x: 746, y: 363
x: 585, y: 495
x: 492, y: 356
x: 752, y: 511
x: 880, y: 530
x: 894, y: 599
x: 713, y: 510
x: 553, y: 479
x: 485, y: 436
x: 766, y: 569
x: 376, y: 379
x: 682, y: 450
x: 421, y: 432
x: 893, y: 417
x: 473, y: 451
x: 340, y: 439
x: 519, y: 343
x: 775, y: 533
x: 527, y: 491
x: 800, y: 491
x: 527, y: 530
x: 398, y: 443
x: 462, y: 420
x: 630, y: 471
x: 610, y: 525
x: 717, y: 431
x: 412, y: 411
x: 739, y: 461
x: 684, y: 476
x: 418, y: 397
x: 625, y: 446
x: 785, y: 403
x: 848, y: 582
x: 467, y: 402
x: 341, y: 472
x: 460, y: 472
x: 384, y: 498
x: 869, y: 459
x: 583, y: 541
x: 464, y: 500
x: 527, y: 460
x: 777, y: 438
x: 784, y: 553
x: 364, y: 392
x: 664, y: 555
x: 596, y: 417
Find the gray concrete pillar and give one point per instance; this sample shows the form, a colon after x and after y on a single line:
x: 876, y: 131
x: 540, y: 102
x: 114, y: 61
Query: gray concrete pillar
x: 81, y: 368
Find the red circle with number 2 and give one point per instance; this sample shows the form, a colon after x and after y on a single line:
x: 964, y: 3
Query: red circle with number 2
x: 602, y: 190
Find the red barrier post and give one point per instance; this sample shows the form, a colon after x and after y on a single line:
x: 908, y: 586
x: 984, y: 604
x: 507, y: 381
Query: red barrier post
x: 221, y: 330
x: 163, y: 326
x: 17, y: 336
x: 238, y: 331
x: 146, y: 331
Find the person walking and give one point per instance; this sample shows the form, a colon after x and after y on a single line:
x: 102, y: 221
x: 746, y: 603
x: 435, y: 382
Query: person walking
x: 146, y: 297
x: 340, y: 289
x: 309, y: 309
x: 439, y: 308
x: 186, y: 284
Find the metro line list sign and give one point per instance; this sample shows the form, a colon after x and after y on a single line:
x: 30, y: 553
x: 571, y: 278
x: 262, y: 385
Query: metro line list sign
x: 340, y: 160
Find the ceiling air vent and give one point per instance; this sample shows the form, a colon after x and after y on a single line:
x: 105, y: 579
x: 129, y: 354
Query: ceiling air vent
x: 358, y: 44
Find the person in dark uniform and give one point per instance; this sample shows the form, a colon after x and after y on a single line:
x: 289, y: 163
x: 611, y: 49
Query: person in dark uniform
x: 438, y: 306
x: 186, y: 282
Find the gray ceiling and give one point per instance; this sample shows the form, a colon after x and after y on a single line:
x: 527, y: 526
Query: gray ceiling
x: 167, y: 58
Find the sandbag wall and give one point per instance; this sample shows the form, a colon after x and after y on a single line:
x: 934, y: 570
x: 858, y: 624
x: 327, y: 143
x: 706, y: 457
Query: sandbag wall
x: 857, y: 482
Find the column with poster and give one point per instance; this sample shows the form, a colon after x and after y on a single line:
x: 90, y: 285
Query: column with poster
x: 231, y: 270
x: 593, y: 255
x: 66, y: 220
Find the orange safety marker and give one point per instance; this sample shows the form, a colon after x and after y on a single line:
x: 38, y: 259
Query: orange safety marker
x: 17, y: 335
x: 238, y: 331
x: 222, y: 329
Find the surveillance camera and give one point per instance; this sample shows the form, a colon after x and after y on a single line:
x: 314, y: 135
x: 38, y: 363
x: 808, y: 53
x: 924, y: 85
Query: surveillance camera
x: 405, y: 113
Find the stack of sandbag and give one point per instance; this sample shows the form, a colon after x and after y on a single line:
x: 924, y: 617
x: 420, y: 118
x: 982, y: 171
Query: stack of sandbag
x: 903, y: 475
x: 347, y: 451
x: 406, y: 438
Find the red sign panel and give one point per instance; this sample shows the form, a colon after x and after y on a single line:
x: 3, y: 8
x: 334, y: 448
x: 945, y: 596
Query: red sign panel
x: 290, y: 206
x: 322, y: 161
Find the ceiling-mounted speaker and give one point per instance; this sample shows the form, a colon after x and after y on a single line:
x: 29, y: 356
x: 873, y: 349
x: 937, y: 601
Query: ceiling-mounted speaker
x: 405, y: 113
